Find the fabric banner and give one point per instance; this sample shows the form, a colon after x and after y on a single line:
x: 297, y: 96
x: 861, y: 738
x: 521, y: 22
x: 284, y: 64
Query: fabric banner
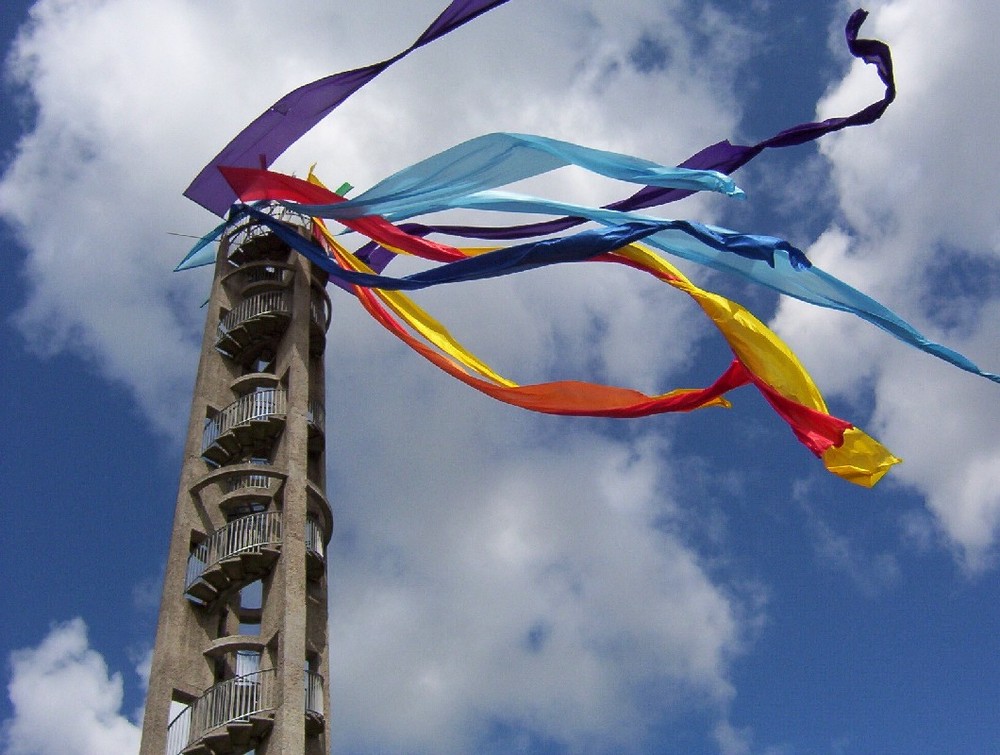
x: 761, y: 359
x: 723, y: 156
x: 765, y: 260
x: 282, y: 124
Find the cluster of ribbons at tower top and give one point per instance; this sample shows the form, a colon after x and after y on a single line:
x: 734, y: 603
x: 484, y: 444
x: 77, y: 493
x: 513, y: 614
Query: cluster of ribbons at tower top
x: 469, y: 175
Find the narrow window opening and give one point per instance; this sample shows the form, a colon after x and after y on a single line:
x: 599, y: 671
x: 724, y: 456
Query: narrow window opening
x: 252, y: 596
x: 247, y: 663
x: 178, y: 722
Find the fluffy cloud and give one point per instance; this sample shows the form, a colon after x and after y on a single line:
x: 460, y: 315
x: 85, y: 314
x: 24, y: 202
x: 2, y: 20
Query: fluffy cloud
x: 65, y: 701
x: 94, y: 187
x: 918, y: 229
x: 547, y: 593
x: 477, y: 589
x: 497, y: 579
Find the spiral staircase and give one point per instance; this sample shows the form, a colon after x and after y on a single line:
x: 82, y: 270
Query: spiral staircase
x: 239, y: 500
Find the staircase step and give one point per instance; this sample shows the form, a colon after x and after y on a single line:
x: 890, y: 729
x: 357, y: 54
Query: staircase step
x: 233, y: 567
x: 215, y: 454
x: 240, y: 733
x: 226, y: 345
x: 216, y: 577
x: 274, y: 425
x: 219, y: 742
x: 229, y: 443
x: 262, y: 723
x: 314, y: 723
x: 254, y: 562
x: 315, y: 566
x: 202, y: 591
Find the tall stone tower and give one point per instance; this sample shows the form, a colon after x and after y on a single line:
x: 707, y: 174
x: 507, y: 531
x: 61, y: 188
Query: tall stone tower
x: 241, y: 647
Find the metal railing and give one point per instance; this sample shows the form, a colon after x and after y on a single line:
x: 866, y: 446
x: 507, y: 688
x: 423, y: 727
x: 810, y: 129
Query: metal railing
x: 314, y: 693
x: 266, y: 303
x: 244, y: 535
x: 314, y: 537
x: 263, y: 272
x: 236, y: 700
x: 318, y: 311
x: 179, y: 732
x: 248, y: 229
x: 256, y: 480
x: 317, y: 416
x: 259, y: 405
x: 232, y: 700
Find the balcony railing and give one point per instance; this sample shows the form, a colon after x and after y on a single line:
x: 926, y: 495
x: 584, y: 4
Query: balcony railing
x: 317, y: 416
x: 263, y: 272
x: 319, y: 313
x: 314, y: 693
x: 179, y: 732
x: 266, y: 303
x: 244, y: 535
x: 235, y: 700
x: 254, y: 480
x: 260, y: 405
x: 314, y: 537
x: 232, y: 700
x: 249, y: 229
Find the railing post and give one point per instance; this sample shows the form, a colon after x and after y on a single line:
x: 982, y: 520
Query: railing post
x: 314, y: 537
x: 230, y: 700
x: 179, y: 732
x: 261, y: 404
x: 269, y: 302
x: 248, y: 533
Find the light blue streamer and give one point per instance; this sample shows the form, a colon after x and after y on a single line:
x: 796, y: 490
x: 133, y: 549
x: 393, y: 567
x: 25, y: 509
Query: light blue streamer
x: 787, y: 274
x: 493, y: 160
x: 455, y: 179
x: 201, y: 254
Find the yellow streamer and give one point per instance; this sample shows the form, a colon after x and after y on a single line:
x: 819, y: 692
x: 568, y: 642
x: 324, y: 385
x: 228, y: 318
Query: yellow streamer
x: 757, y: 346
x: 860, y: 459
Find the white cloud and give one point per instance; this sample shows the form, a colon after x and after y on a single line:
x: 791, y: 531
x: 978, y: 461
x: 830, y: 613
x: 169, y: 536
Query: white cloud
x: 732, y: 741
x: 65, y: 701
x: 871, y: 573
x: 488, y: 570
x: 131, y: 99
x: 921, y: 233
x: 538, y: 592
x: 492, y: 568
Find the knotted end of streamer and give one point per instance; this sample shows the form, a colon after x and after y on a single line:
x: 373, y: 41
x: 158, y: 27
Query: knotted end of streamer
x: 859, y: 458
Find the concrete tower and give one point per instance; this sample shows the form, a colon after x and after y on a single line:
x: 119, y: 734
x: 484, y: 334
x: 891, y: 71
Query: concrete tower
x: 241, y: 649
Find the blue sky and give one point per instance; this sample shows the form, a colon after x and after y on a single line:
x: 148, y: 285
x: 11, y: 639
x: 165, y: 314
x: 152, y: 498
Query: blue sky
x: 501, y: 581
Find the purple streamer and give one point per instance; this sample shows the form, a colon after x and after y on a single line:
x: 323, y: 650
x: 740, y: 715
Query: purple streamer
x: 722, y: 156
x: 282, y: 124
